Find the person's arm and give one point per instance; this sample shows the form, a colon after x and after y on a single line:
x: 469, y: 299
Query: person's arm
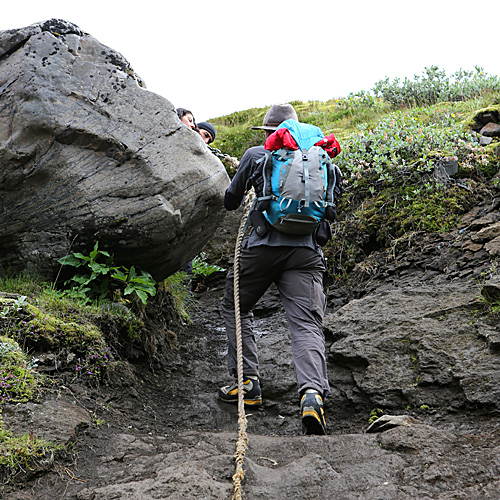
x: 231, y: 201
x: 239, y: 185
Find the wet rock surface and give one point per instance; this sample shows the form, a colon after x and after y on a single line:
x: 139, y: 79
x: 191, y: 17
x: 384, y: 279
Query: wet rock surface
x: 411, y: 341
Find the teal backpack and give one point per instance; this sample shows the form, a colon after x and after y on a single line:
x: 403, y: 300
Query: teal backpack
x: 299, y: 186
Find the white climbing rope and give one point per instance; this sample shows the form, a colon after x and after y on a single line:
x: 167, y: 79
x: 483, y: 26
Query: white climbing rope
x: 241, y: 445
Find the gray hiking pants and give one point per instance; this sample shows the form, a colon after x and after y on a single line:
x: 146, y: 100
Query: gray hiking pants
x: 298, y: 275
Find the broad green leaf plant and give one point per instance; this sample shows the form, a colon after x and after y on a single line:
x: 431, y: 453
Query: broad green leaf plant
x: 98, y: 279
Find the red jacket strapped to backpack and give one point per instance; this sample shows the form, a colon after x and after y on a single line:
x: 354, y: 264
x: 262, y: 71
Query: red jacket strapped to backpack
x: 282, y: 138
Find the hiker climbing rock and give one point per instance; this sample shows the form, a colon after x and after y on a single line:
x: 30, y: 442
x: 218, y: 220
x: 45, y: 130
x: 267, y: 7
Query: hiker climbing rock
x: 295, y: 264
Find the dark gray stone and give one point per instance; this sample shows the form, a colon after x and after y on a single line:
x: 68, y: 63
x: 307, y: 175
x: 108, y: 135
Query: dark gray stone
x: 493, y: 247
x: 445, y: 168
x: 386, y: 422
x: 412, y: 462
x: 414, y: 346
x: 88, y: 154
x: 487, y: 233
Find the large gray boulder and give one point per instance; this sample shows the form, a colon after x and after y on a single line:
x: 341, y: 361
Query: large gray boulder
x: 88, y: 154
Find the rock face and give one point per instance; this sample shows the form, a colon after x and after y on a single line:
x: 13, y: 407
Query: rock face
x: 420, y: 346
x: 417, y: 462
x: 88, y: 154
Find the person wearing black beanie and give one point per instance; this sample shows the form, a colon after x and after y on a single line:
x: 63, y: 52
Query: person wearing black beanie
x: 207, y: 132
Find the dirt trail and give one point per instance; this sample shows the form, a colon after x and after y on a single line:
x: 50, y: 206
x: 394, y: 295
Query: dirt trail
x: 163, y: 434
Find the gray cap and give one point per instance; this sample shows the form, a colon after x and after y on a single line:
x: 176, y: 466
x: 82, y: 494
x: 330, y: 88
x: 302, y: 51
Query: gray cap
x: 277, y: 115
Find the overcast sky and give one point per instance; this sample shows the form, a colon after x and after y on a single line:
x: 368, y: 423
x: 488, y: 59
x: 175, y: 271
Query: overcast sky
x: 215, y: 57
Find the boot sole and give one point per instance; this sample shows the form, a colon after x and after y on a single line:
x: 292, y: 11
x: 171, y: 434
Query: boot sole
x: 248, y: 402
x: 311, y: 424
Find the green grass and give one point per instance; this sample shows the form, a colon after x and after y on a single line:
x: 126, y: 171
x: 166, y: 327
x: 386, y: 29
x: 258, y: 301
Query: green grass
x: 18, y: 377
x: 392, y: 138
x: 21, y: 453
x: 34, y: 319
x: 40, y: 321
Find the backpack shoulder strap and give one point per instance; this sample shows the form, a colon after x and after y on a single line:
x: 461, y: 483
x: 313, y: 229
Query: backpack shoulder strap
x: 265, y: 173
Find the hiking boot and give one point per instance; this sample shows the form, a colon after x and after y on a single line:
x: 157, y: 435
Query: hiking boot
x: 252, y: 395
x: 313, y: 414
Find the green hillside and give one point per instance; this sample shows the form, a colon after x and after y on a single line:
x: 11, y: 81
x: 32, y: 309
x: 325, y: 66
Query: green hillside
x: 393, y: 137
